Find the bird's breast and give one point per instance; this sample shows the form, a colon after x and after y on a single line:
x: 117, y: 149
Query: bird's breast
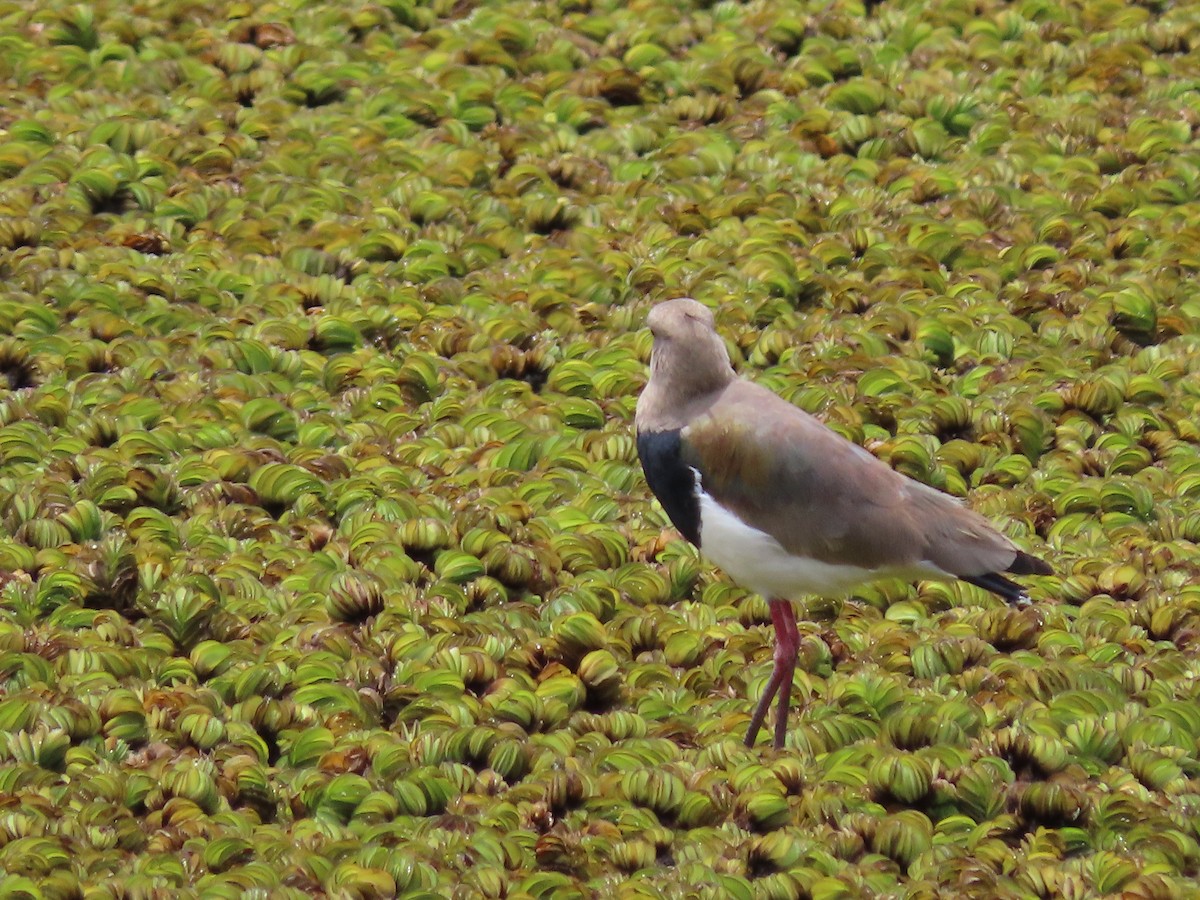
x: 671, y: 479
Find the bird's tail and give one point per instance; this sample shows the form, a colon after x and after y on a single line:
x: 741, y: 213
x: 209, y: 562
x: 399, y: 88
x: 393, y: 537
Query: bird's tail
x: 1024, y: 564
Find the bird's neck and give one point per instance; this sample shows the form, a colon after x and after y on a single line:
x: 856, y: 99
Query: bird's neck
x: 692, y: 374
x: 668, y: 403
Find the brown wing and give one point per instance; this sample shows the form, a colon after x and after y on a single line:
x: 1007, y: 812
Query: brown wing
x: 822, y: 496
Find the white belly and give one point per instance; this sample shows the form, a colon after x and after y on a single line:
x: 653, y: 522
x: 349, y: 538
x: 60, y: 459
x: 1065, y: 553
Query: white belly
x: 756, y: 560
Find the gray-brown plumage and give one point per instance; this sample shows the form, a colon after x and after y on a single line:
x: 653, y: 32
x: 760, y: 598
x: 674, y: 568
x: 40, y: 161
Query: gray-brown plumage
x: 784, y: 505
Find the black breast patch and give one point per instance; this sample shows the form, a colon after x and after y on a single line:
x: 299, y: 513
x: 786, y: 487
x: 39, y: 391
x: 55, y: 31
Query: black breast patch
x: 671, y: 479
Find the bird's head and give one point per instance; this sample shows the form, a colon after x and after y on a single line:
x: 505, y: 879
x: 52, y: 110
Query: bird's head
x: 681, y: 318
x: 688, y: 353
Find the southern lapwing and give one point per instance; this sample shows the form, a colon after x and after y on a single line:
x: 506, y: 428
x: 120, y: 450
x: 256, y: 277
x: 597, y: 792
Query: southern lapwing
x: 786, y: 506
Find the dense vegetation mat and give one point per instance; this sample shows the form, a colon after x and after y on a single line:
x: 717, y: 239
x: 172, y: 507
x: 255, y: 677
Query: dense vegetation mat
x: 328, y: 567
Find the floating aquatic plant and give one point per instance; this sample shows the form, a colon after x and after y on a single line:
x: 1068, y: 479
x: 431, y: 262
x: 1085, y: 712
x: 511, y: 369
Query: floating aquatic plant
x: 326, y: 564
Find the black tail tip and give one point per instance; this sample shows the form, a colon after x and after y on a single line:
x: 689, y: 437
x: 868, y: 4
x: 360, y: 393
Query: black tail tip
x: 1025, y: 564
x: 1000, y: 586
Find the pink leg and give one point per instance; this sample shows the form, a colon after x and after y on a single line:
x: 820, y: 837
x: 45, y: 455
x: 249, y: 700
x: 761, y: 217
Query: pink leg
x: 786, y: 648
x: 787, y: 645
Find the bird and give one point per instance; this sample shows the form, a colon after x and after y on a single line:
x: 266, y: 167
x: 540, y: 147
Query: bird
x: 784, y: 505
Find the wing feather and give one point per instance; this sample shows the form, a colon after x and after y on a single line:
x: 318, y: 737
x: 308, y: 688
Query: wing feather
x: 821, y: 496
